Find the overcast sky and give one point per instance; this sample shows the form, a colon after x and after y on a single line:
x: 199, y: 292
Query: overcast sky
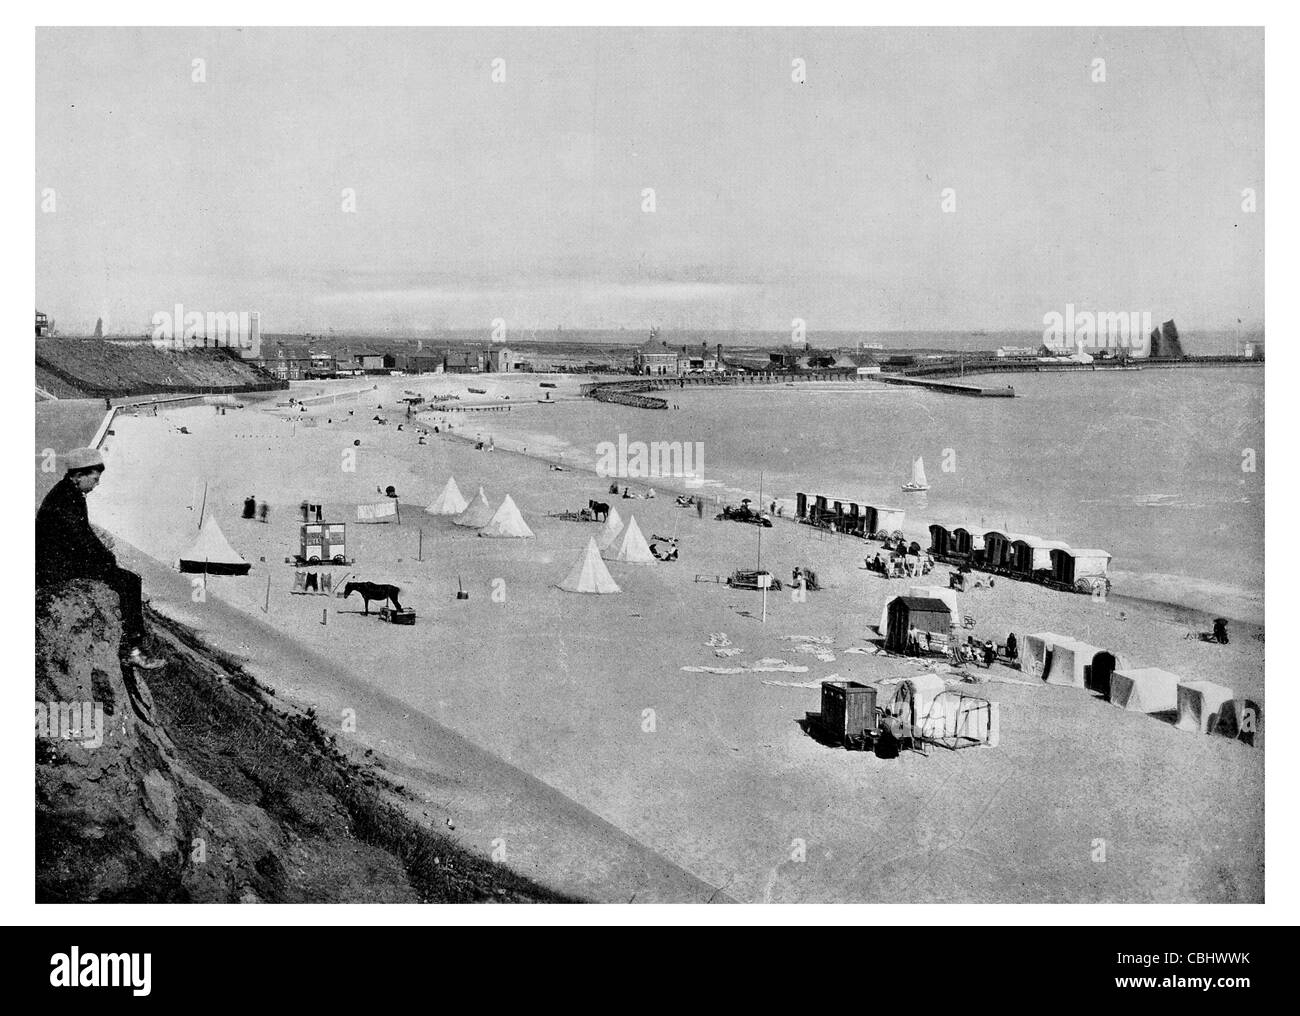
x: 523, y: 199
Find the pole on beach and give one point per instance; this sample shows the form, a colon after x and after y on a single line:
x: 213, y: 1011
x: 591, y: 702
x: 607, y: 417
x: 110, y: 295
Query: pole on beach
x: 204, y: 506
x: 266, y: 606
x: 420, y: 553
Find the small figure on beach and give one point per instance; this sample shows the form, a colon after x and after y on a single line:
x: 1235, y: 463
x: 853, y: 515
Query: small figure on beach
x: 1012, y: 652
x: 264, y: 512
x: 250, y: 506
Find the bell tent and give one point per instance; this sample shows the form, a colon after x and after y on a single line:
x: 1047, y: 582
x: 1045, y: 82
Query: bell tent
x: 477, y: 514
x: 610, y: 531
x: 212, y: 553
x: 450, y: 501
x: 589, y: 574
x: 507, y: 523
x: 632, y: 549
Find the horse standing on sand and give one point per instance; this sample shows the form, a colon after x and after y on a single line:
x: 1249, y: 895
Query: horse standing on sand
x: 373, y: 591
x: 599, y: 509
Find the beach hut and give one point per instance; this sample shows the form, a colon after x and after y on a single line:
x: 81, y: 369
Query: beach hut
x: 1070, y: 663
x: 923, y: 613
x: 887, y: 519
x: 997, y: 549
x: 967, y: 544
x: 632, y: 548
x: 1071, y: 563
x: 507, y: 523
x: 1199, y: 703
x: 1145, y: 690
x: 1034, y: 651
x: 212, y: 553
x: 1029, y: 554
x: 940, y: 539
x: 450, y: 501
x: 589, y: 574
x: 949, y: 596
x: 478, y: 513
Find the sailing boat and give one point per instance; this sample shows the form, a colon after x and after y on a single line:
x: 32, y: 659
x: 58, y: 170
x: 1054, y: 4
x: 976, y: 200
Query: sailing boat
x: 918, y: 481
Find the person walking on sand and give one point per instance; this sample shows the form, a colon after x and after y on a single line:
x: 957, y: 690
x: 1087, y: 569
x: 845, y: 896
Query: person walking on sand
x: 1011, y: 647
x: 68, y: 548
x: 264, y: 512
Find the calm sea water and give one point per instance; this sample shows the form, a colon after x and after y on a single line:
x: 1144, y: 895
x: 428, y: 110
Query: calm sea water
x: 1147, y: 464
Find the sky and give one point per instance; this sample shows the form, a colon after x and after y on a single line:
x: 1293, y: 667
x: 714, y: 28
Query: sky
x: 524, y: 199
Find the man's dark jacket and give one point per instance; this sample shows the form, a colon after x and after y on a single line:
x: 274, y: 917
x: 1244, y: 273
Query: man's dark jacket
x: 66, y: 546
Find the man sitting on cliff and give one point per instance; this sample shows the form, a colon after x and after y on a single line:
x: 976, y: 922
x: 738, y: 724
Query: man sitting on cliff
x: 67, y: 548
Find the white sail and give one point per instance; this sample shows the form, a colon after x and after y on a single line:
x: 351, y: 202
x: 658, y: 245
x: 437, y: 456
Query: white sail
x: 918, y: 473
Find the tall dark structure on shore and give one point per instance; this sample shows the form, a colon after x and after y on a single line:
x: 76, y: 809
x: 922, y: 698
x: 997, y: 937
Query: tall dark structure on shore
x: 1165, y: 343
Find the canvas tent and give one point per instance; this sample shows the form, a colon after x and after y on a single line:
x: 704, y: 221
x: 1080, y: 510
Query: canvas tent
x: 1199, y: 703
x: 1069, y: 663
x: 949, y: 596
x: 1034, y: 650
x: 910, y: 699
x: 632, y: 548
x: 922, y: 613
x: 1242, y: 719
x: 610, y: 530
x: 1104, y: 663
x: 450, y: 501
x: 1144, y: 690
x: 507, y: 522
x: 589, y: 574
x: 477, y: 514
x: 212, y: 553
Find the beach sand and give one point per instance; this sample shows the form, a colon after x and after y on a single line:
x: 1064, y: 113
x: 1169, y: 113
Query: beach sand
x: 1080, y: 802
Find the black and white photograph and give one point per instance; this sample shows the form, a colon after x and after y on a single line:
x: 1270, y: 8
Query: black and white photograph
x: 650, y: 465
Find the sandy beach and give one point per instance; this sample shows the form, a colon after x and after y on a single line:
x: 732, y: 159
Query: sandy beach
x: 711, y: 772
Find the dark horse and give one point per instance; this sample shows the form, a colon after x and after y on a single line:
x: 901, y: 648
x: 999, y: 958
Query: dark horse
x: 372, y: 591
x: 599, y: 509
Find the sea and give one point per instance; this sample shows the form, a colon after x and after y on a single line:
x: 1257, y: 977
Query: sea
x: 1163, y: 468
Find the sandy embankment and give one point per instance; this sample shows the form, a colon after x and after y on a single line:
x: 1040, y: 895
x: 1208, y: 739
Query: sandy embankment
x: 588, y: 695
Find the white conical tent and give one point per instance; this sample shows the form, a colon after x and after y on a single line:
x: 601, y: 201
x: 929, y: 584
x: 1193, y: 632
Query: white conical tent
x: 632, y: 549
x: 477, y: 514
x: 507, y: 522
x: 609, y: 532
x: 589, y: 574
x: 450, y: 501
x: 212, y: 553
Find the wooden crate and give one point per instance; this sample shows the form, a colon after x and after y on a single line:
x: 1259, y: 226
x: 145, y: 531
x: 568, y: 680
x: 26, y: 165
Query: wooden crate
x: 848, y: 708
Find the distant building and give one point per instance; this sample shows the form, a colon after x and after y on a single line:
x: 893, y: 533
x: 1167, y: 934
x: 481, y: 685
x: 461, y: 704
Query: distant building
x: 421, y: 363
x: 503, y: 360
x: 655, y: 357
x: 42, y: 325
x: 323, y: 363
x: 369, y: 359
x: 290, y: 363
x: 1013, y: 351
x: 462, y: 362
